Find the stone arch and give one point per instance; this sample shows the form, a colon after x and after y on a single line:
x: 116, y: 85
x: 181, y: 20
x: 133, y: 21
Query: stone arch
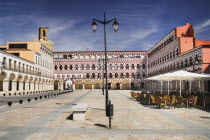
x: 56, y: 84
x: 31, y: 79
x: 88, y: 84
x: 125, y: 84
x: 134, y: 84
x: 97, y: 84
x: 116, y: 84
x: 35, y: 79
x: 11, y: 78
x: 19, y: 78
x: 3, y: 76
x: 78, y: 84
x: 25, y: 79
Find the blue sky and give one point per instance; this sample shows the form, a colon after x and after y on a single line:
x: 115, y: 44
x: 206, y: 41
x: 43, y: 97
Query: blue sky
x: 142, y: 22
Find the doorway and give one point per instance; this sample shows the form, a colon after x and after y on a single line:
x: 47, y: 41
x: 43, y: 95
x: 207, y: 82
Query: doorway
x: 132, y: 86
x: 118, y: 86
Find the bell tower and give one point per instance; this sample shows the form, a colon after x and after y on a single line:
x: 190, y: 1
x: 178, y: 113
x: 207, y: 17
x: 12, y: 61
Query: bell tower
x: 43, y: 33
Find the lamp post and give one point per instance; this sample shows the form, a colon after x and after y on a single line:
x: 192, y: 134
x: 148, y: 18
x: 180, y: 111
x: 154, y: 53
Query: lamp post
x: 102, y: 73
x: 115, y: 27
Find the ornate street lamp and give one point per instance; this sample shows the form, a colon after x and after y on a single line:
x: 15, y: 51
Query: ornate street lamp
x: 115, y: 26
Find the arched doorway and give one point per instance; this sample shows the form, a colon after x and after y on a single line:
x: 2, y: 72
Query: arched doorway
x: 11, y: 78
x: 3, y: 75
x: 20, y: 77
x: 88, y: 84
x: 78, y: 84
x: 97, y: 84
x: 56, y: 84
x: 134, y: 85
x: 125, y: 84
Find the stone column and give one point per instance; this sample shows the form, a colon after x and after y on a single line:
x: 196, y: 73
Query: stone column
x: 83, y: 86
x: 129, y: 85
x: 20, y: 86
x: 92, y: 85
x: 120, y: 85
x: 73, y: 86
x: 14, y: 85
x: 37, y: 86
x: 5, y: 85
x: 27, y: 86
x: 32, y: 86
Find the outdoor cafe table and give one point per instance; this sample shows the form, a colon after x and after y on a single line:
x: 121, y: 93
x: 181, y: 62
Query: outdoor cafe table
x: 165, y: 101
x: 187, y: 101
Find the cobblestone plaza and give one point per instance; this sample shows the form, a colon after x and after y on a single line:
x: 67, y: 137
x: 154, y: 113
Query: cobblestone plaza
x: 49, y: 119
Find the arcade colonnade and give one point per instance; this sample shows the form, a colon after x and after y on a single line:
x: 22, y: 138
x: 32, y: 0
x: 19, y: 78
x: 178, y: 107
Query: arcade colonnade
x: 124, y: 84
x: 15, y: 82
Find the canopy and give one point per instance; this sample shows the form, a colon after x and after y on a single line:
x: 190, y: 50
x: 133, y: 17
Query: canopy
x: 179, y: 75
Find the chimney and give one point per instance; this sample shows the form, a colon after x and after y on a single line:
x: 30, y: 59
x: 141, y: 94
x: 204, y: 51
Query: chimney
x: 86, y: 49
x: 117, y: 49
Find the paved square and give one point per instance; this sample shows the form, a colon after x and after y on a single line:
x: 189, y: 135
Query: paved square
x: 49, y: 120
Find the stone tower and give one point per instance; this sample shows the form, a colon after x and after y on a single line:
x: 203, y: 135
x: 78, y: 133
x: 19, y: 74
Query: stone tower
x: 43, y: 33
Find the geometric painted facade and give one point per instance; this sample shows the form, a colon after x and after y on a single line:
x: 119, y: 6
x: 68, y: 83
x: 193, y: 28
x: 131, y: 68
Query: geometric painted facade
x: 179, y: 50
x: 126, y: 69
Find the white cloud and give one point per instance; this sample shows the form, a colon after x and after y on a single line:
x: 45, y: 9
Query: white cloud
x: 201, y: 27
x: 67, y: 37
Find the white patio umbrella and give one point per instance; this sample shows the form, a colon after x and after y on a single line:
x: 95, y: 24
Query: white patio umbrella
x: 180, y: 75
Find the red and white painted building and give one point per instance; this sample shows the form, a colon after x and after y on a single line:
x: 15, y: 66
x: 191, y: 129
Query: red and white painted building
x: 180, y: 50
x: 126, y: 69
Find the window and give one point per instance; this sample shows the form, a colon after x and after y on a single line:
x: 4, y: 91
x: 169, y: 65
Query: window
x: 138, y: 66
x: 121, y: 75
x: 110, y: 75
x: 70, y: 67
x: 116, y: 66
x: 137, y: 56
x: 93, y: 67
x: 138, y: 75
x: 127, y: 75
x: 132, y: 66
x: 65, y: 67
x: 99, y: 66
x: 127, y: 66
x: 82, y: 67
x: 99, y: 75
x: 65, y: 56
x: 88, y: 75
x: 93, y: 75
x: 44, y: 34
x: 133, y: 75
x: 17, y: 46
x: 121, y: 66
x: 116, y: 75
x: 70, y: 56
x: 121, y: 56
x: 143, y: 66
x: 110, y: 66
x: 76, y: 67
x: 61, y: 67
x: 182, y: 35
x: 88, y: 67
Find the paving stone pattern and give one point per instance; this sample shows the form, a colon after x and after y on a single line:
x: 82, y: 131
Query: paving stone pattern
x: 49, y: 119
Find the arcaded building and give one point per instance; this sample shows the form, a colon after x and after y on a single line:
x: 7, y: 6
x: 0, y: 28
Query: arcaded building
x: 180, y: 50
x: 27, y: 66
x: 84, y: 69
